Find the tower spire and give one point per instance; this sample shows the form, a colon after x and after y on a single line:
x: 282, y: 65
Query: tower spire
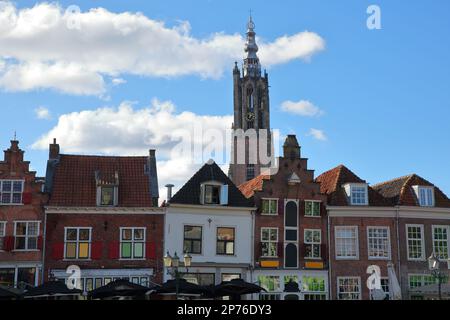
x: 251, y: 62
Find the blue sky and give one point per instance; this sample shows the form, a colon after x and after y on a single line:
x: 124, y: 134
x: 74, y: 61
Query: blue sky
x: 384, y: 93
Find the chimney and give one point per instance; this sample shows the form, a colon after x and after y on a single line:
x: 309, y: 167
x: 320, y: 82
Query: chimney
x: 291, y: 148
x: 153, y: 175
x: 169, y: 191
x: 53, y: 153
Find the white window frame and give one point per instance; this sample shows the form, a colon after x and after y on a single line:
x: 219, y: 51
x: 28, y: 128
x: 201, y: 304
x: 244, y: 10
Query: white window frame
x: 133, y: 241
x: 115, y: 195
x: 433, y: 227
x: 2, y: 233
x: 270, y: 241
x: 270, y: 200
x: 422, y: 241
x: 356, y: 257
x: 366, y: 194
x: 296, y: 229
x: 11, y: 203
x: 202, y: 240
x: 343, y: 278
x: 26, y: 236
x: 313, y: 243
x: 427, y: 201
x: 422, y: 279
x: 77, y: 255
x: 312, y: 215
x: 218, y: 184
x: 234, y: 240
x: 388, y: 240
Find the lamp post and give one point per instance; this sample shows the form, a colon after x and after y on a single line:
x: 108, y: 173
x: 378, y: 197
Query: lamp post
x: 172, y: 264
x: 433, y: 266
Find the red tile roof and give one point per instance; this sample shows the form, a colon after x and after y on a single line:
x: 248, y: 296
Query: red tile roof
x: 74, y: 182
x: 256, y: 184
x: 331, y: 183
x: 400, y: 191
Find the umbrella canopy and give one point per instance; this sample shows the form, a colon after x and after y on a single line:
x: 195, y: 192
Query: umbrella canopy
x: 184, y: 287
x: 51, y: 288
x: 7, y: 294
x: 394, y: 286
x: 120, y: 288
x: 236, y: 287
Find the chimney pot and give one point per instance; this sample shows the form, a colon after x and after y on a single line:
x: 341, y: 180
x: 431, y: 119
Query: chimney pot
x: 169, y: 191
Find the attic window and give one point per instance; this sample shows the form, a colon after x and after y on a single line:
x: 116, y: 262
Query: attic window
x: 425, y: 195
x: 107, y: 196
x: 107, y: 188
x: 357, y: 194
x: 214, y: 193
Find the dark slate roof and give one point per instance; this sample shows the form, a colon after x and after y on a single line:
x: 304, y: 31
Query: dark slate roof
x: 331, y: 183
x: 190, y: 192
x: 74, y: 180
x: 400, y: 192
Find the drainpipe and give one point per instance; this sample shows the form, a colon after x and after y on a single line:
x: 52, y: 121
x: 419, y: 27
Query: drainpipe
x: 252, y: 248
x: 44, y: 236
x: 330, y: 292
x: 397, y: 214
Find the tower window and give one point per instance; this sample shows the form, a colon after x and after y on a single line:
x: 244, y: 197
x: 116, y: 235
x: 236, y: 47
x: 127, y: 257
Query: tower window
x: 250, y: 171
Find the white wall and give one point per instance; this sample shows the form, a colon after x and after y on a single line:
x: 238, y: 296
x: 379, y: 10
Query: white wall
x: 240, y: 219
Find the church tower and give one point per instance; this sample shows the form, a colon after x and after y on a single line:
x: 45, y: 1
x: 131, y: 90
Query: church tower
x: 251, y: 113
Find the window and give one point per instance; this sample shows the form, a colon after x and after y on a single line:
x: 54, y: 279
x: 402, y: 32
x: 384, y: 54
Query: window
x: 385, y: 287
x: 107, y: 196
x: 77, y: 243
x: 312, y: 208
x: 11, y: 191
x: 212, y: 194
x: 250, y: 173
x: 426, y: 196
x: 349, y: 288
x: 440, y: 241
x: 7, y: 276
x: 269, y: 207
x: 225, y: 241
x: 420, y: 280
x: 313, y: 241
x: 313, y: 284
x: 269, y: 242
x: 270, y: 283
x: 379, y: 244
x: 26, y: 235
x: 202, y: 279
x: 416, y: 248
x: 358, y: 195
x: 192, y: 239
x: 346, y: 239
x: 2, y: 234
x: 132, y: 243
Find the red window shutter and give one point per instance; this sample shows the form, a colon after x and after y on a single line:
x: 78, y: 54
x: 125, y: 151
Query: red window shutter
x: 323, y: 251
x: 58, y: 251
x: 150, y: 250
x: 39, y: 243
x: 26, y: 197
x: 280, y: 206
x: 96, y: 250
x: 114, y: 250
x: 8, y: 244
x: 280, y: 249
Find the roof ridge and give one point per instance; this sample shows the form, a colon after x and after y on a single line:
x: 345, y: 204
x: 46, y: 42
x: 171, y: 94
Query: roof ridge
x: 98, y: 156
x: 394, y: 179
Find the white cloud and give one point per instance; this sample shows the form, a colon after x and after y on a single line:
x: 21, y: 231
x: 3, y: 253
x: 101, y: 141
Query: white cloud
x: 317, y: 134
x: 126, y: 130
x: 302, y: 108
x: 40, y: 51
x: 118, y: 81
x: 42, y: 113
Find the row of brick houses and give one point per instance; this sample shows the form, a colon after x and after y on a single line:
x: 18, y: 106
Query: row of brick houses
x: 297, y: 235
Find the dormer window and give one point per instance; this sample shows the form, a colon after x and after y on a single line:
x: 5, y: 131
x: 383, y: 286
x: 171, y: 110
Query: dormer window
x: 214, y: 193
x: 357, y: 194
x: 107, y: 189
x: 425, y: 195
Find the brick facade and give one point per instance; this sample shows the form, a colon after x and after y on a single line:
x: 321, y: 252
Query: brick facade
x: 20, y: 263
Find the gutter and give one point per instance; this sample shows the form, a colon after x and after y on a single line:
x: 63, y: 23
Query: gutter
x: 44, y: 240
x: 397, y: 214
x: 330, y: 292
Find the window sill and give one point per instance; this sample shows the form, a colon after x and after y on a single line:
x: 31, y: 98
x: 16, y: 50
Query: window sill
x: 269, y: 257
x: 313, y: 259
x: 379, y: 258
x: 347, y: 258
x: 11, y: 204
x: 80, y: 260
x: 269, y: 214
x: 307, y: 216
x: 26, y: 250
x: 417, y: 260
x: 130, y: 259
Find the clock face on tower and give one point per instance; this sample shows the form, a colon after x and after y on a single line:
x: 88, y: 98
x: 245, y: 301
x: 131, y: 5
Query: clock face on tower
x: 250, y: 116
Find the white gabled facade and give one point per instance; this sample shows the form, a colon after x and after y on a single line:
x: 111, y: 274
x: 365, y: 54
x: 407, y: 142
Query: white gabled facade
x: 208, y: 263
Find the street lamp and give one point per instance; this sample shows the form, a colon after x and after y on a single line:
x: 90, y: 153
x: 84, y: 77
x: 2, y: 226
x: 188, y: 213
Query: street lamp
x: 433, y: 266
x: 173, y: 263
